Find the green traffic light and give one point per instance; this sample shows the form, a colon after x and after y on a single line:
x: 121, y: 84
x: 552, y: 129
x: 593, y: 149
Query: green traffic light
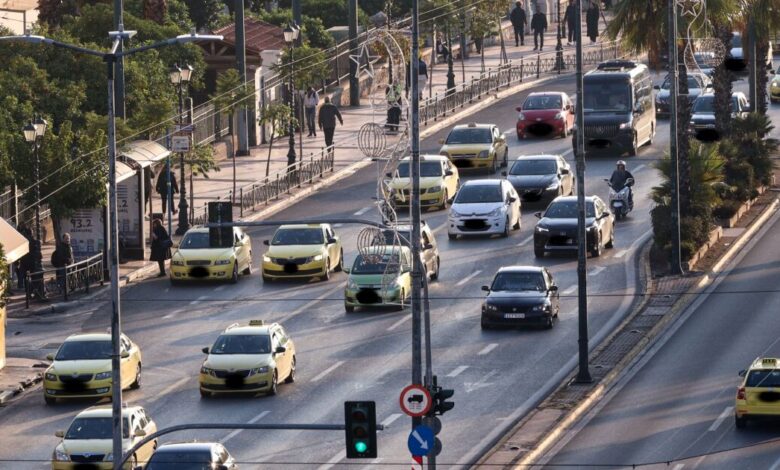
x: 361, y: 446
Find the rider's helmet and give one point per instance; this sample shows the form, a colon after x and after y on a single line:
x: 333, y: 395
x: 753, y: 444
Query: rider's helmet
x: 621, y: 163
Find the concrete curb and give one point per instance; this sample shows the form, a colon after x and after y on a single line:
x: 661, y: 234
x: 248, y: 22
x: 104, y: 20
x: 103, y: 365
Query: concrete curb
x: 6, y: 396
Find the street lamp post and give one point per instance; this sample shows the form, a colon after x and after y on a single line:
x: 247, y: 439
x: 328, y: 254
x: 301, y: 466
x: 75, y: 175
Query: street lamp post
x: 33, y: 134
x: 290, y: 36
x: 450, y: 65
x: 180, y: 78
x: 559, y: 65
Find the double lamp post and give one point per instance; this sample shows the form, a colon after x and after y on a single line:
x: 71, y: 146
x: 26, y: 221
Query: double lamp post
x: 291, y: 33
x: 33, y: 134
x: 180, y: 78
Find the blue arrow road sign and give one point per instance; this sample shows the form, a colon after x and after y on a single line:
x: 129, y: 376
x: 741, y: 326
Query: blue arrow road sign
x: 421, y: 440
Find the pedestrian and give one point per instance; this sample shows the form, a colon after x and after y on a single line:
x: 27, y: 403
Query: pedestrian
x: 24, y: 265
x: 310, y: 103
x: 327, y: 120
x: 592, y: 22
x: 570, y: 18
x: 519, y: 22
x: 61, y: 258
x: 393, y: 96
x: 422, y: 77
x: 162, y: 188
x: 161, y: 245
x: 538, y: 26
x: 442, y: 49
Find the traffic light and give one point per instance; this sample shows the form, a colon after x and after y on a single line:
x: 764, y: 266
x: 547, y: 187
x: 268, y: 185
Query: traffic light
x: 440, y: 397
x: 360, y: 429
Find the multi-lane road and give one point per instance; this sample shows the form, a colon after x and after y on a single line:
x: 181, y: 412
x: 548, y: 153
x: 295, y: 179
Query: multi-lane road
x: 496, y: 375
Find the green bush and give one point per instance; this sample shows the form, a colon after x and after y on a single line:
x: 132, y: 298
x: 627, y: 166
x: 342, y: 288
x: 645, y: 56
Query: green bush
x: 727, y: 209
x: 741, y: 176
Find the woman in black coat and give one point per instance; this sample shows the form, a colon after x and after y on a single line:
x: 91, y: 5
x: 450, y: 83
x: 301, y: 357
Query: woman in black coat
x: 161, y: 245
x: 592, y: 22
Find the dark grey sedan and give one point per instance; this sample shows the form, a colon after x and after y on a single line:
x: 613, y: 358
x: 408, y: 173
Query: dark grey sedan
x: 536, y: 177
x: 521, y: 295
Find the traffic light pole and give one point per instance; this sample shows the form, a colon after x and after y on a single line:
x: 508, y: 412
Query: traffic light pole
x: 674, y: 178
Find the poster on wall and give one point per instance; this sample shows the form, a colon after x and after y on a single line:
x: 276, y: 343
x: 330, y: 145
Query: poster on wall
x: 129, y: 218
x: 86, y: 228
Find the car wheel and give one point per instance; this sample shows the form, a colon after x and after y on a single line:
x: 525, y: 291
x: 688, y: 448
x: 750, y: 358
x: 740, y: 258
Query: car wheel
x: 596, y: 251
x: 505, y: 233
x: 49, y: 400
x: 435, y: 270
x: 326, y: 276
x: 234, y: 276
x: 274, y: 384
x: 291, y: 378
x: 349, y: 308
x: 340, y: 267
x: 494, y: 167
x: 137, y: 383
x: 205, y: 394
x: 483, y: 324
x: 549, y: 323
x: 538, y: 251
x: 740, y: 422
x: 634, y: 146
x: 611, y: 243
x: 444, y: 201
x: 506, y: 159
x: 452, y: 236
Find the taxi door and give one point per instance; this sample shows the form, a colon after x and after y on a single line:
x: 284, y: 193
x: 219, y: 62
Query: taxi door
x: 334, y: 249
x: 283, y: 360
x: 127, y: 365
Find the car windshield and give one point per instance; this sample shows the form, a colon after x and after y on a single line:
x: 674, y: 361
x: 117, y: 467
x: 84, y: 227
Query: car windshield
x: 763, y: 378
x: 376, y: 264
x: 478, y: 193
x: 83, y: 350
x: 242, y: 344
x: 704, y: 105
x: 693, y: 82
x: 403, y: 237
x: 298, y: 236
x: 426, y: 169
x: 194, y: 241
x: 181, y: 460
x: 567, y: 210
x: 542, y: 102
x: 607, y: 96
x: 534, y: 167
x: 509, y: 281
x: 470, y: 135
x: 94, y: 428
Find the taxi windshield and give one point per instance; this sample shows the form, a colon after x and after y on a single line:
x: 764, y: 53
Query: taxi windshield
x: 195, y: 241
x: 518, y: 282
x: 94, y: 428
x: 763, y: 378
x: 242, y: 344
x: 470, y: 135
x: 298, y: 236
x: 376, y: 264
x: 181, y: 460
x: 404, y: 237
x: 427, y: 169
x: 84, y: 350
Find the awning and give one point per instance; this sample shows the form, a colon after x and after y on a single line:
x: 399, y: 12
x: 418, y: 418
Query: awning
x: 143, y: 153
x: 14, y: 243
x: 123, y: 172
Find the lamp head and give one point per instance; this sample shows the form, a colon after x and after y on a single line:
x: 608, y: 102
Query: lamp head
x: 29, y: 132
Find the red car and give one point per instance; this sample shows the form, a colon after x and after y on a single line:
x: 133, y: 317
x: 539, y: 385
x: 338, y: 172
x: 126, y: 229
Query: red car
x: 545, y: 113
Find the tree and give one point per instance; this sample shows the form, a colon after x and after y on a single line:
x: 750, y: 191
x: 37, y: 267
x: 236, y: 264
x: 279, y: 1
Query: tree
x: 309, y: 66
x: 313, y: 29
x: 722, y: 81
x: 231, y: 93
x: 155, y: 10
x: 278, y: 116
x: 332, y: 12
x: 204, y: 13
x: 201, y: 162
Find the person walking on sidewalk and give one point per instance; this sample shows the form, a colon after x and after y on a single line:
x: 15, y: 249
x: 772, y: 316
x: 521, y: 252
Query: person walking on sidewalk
x: 393, y: 96
x: 570, y: 17
x: 592, y: 22
x: 519, y: 22
x: 327, y: 120
x: 538, y: 26
x: 422, y: 77
x: 162, y: 189
x: 161, y: 245
x: 61, y: 258
x: 310, y: 103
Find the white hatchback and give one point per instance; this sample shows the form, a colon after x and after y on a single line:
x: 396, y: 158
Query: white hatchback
x: 484, y: 207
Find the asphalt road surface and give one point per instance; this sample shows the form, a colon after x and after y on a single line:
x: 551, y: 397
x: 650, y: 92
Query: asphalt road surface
x: 366, y: 355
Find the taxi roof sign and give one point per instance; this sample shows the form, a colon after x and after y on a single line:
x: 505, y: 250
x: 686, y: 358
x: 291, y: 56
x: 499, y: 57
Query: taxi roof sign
x: 256, y: 323
x: 769, y: 361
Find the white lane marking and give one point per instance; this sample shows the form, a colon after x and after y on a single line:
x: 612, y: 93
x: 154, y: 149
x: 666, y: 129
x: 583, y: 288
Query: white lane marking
x: 333, y: 460
x: 525, y: 242
x: 639, y: 167
x: 238, y: 431
x: 570, y: 290
x: 338, y: 225
x: 172, y: 314
x: 327, y: 371
x: 621, y: 253
x: 173, y: 386
x: 469, y: 277
x: 725, y: 414
x: 400, y: 322
x: 372, y: 464
x: 220, y: 287
x: 596, y: 270
x: 362, y: 211
x: 679, y: 466
x: 457, y: 371
x: 472, y: 386
x: 308, y: 305
x: 198, y: 300
x: 513, y: 129
x: 487, y: 349
x: 391, y: 419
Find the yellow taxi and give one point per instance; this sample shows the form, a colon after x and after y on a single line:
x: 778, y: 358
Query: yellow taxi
x: 302, y: 251
x: 439, y: 180
x: 382, y: 276
x: 81, y: 368
x: 250, y: 358
x: 759, y: 393
x: 87, y: 442
x: 774, y: 87
x: 195, y: 259
x: 476, y: 146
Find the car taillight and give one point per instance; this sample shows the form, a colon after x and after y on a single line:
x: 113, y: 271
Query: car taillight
x: 741, y: 393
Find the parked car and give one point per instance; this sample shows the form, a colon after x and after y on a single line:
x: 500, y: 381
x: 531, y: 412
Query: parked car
x: 196, y: 259
x: 484, y: 207
x: 536, y: 177
x: 545, y: 113
x: 556, y: 230
x: 192, y: 456
x: 698, y: 83
x: 703, y: 125
x: 520, y: 295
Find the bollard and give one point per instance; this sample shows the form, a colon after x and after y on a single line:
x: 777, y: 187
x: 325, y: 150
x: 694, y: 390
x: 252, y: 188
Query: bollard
x: 241, y: 202
x: 538, y: 64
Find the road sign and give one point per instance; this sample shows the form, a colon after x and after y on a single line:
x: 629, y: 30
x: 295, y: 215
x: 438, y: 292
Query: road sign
x: 415, y: 400
x: 421, y: 440
x: 180, y: 143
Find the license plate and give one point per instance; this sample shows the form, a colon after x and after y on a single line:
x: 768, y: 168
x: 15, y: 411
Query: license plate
x: 570, y: 241
x: 514, y: 315
x: 617, y: 204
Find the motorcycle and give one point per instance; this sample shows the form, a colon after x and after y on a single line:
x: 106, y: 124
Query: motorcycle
x: 619, y: 200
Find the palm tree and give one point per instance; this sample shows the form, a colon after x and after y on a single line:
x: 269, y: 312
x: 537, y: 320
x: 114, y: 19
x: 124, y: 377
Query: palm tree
x: 721, y: 80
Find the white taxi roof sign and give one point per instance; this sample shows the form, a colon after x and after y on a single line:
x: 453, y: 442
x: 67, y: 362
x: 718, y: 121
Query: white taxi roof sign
x: 256, y: 323
x: 769, y: 360
x: 472, y: 124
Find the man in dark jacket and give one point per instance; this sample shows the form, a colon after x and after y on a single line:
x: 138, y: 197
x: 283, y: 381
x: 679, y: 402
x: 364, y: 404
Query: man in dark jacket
x: 61, y: 258
x: 619, y: 180
x: 519, y: 22
x: 538, y: 26
x: 570, y: 17
x: 162, y: 188
x: 592, y: 22
x: 327, y: 120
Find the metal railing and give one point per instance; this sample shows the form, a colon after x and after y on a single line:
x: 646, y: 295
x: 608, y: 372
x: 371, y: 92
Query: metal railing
x: 62, y: 282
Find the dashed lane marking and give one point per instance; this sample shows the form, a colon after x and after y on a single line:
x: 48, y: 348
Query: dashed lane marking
x: 596, y: 270
x: 457, y: 371
x: 570, y: 290
x: 468, y: 278
x: 391, y: 419
x: 400, y: 322
x: 327, y: 371
x: 621, y: 253
x: 362, y: 211
x: 487, y: 349
x: 526, y: 241
x: 719, y: 420
x: 238, y: 431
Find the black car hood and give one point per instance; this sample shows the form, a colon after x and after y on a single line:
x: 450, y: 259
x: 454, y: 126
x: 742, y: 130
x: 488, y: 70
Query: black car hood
x: 703, y: 118
x: 531, y: 181
x: 563, y: 224
x: 518, y: 298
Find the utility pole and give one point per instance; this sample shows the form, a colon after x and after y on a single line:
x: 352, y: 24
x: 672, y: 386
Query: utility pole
x: 754, y: 61
x: 119, y: 69
x: 583, y: 374
x: 354, y: 65
x: 243, y: 128
x: 674, y: 157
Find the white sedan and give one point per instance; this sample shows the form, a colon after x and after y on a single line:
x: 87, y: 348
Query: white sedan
x: 484, y: 207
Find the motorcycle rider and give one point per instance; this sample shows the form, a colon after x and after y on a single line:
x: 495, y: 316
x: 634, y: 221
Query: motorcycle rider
x: 618, y: 181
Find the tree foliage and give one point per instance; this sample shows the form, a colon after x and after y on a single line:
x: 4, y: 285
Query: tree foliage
x: 278, y: 116
x: 313, y: 29
x: 308, y: 65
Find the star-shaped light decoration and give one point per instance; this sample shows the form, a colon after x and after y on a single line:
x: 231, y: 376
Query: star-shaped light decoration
x: 690, y: 7
x: 357, y: 58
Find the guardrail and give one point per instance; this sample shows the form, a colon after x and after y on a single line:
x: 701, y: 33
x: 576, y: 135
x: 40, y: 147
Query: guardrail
x: 61, y: 282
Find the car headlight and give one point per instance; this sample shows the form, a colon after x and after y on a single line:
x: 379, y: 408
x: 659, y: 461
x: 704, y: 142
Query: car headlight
x: 559, y: 115
x: 775, y: 84
x: 103, y: 375
x: 491, y: 308
x: 222, y: 262
x: 177, y: 262
x: 454, y: 213
x: 625, y: 125
x: 496, y: 211
x: 316, y: 258
x: 266, y: 259
x: 542, y: 229
x: 554, y: 185
x: 258, y: 370
x: 521, y: 117
x: 60, y: 455
x: 207, y: 371
x: 434, y: 189
x: 351, y: 284
x: 540, y: 308
x: 50, y: 376
x: 484, y: 154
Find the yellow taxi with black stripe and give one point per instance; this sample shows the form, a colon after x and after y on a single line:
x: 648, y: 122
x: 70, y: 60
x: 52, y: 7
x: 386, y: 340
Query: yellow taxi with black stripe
x: 439, y: 180
x: 195, y: 258
x: 759, y: 393
x: 302, y: 251
x: 81, y: 368
x: 476, y: 146
x: 249, y: 358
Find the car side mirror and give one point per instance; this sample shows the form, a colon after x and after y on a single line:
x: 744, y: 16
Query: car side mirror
x: 428, y: 246
x: 519, y: 109
x: 656, y: 87
x: 205, y: 350
x: 512, y: 199
x: 389, y: 175
x: 346, y: 270
x: 441, y: 141
x: 266, y: 243
x: 450, y: 200
x: 50, y: 356
x: 553, y: 288
x: 564, y: 171
x: 503, y: 173
x: 448, y: 173
x: 124, y: 354
x: 486, y: 288
x: 331, y: 241
x: 59, y: 433
x: 538, y: 215
x: 280, y: 350
x: 742, y: 373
